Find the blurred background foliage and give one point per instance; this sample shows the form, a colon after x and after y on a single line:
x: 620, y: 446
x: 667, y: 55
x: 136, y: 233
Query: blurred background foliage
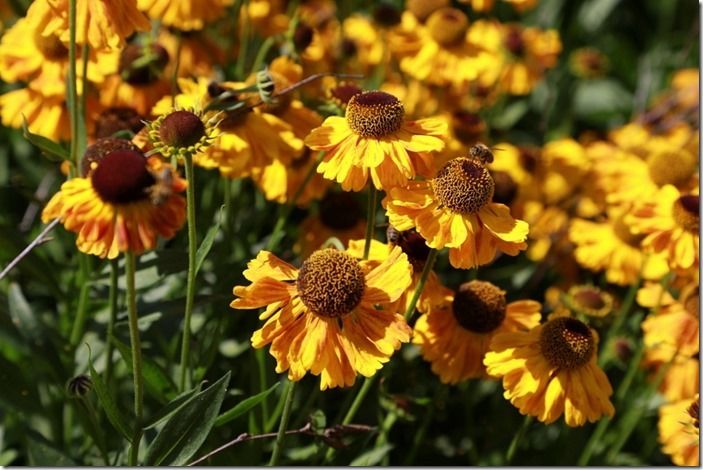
x: 469, y: 424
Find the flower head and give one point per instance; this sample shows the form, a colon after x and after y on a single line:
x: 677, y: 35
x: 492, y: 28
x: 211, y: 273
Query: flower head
x: 182, y: 132
x: 330, y: 317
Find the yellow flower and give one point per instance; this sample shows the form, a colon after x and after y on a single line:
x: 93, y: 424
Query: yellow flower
x: 611, y: 246
x: 417, y: 251
x: 455, y: 335
x: 46, y: 115
x: 679, y: 431
x: 122, y: 204
x: 375, y: 138
x: 329, y: 317
x: 455, y: 210
x: 281, y: 182
x: 671, y: 338
x: 339, y: 215
x: 366, y: 40
x: 670, y: 220
x: 102, y: 24
x: 185, y: 15
x: 551, y: 370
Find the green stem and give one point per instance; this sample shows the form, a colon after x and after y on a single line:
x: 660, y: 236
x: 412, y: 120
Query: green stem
x: 288, y: 208
x: 243, y: 42
x: 72, y: 83
x: 135, y: 343
x: 278, y: 446
x: 260, y: 355
x: 426, y: 270
x: 516, y: 440
x: 110, y: 347
x: 426, y: 420
x: 261, y: 55
x: 619, y: 320
x: 82, y: 103
x: 370, y: 218
x: 358, y: 400
x: 177, y: 66
x: 82, y: 306
x: 190, y: 286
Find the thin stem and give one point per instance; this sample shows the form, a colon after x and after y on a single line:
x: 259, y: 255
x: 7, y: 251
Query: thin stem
x: 516, y: 440
x: 177, y: 66
x: 260, y: 355
x: 370, y: 218
x: 278, y: 446
x: 358, y: 400
x: 426, y: 270
x: 41, y: 238
x: 72, y: 82
x: 190, y: 286
x: 426, y: 420
x: 135, y: 343
x: 82, y: 307
x: 261, y: 55
x: 111, y: 322
x: 285, y: 212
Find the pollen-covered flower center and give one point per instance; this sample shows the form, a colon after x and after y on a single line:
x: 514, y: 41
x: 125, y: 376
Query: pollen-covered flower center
x: 96, y: 152
x: 344, y: 92
x: 566, y: 343
x: 412, y: 244
x: 686, y: 212
x: 463, y: 185
x: 694, y: 412
x: 113, y: 120
x: 122, y: 177
x: 331, y: 283
x: 448, y: 26
x: 676, y: 167
x: 181, y: 129
x: 479, y: 306
x: 374, y: 114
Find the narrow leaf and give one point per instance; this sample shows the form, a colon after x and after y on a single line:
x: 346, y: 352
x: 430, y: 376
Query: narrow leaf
x: 108, y: 404
x: 157, y: 382
x: 243, y: 406
x: 209, y: 239
x: 372, y: 457
x: 53, y: 151
x: 187, y: 428
x: 22, y: 314
x: 42, y: 454
x: 170, y: 408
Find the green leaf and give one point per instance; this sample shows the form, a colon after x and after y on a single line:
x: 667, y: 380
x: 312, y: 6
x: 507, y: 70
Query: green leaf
x: 17, y: 393
x: 243, y: 406
x: 53, y: 151
x: 42, y: 454
x: 157, y: 382
x: 7, y: 456
x: 318, y: 421
x: 594, y: 98
x: 595, y: 12
x: 113, y: 413
x: 511, y: 114
x: 187, y: 428
x: 170, y: 408
x: 372, y: 457
x: 209, y: 239
x: 22, y: 314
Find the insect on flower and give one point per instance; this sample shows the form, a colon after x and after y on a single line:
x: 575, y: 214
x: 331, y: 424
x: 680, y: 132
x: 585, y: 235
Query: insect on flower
x: 482, y: 153
x: 162, y: 188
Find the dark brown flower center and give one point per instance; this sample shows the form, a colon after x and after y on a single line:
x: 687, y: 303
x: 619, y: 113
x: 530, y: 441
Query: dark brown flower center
x: 302, y: 36
x: 513, y: 42
x: 686, y: 212
x: 412, y: 244
x: 529, y: 158
x: 694, y: 412
x: 142, y: 65
x: 122, y: 177
x: 468, y: 127
x: 51, y: 47
x: 448, y: 26
x: 113, y: 120
x: 339, y: 210
x: 506, y: 188
x: 590, y: 300
x: 386, y: 15
x: 331, y: 283
x: 479, y: 306
x: 343, y: 92
x: 566, y: 343
x: 463, y: 185
x: 181, y: 129
x: 95, y: 153
x: 374, y: 114
x: 675, y: 168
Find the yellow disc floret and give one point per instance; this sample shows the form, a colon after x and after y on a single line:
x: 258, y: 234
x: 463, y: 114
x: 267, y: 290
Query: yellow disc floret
x: 479, y: 306
x: 566, y: 343
x: 331, y: 283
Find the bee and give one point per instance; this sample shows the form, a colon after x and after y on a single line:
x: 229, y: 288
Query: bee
x: 482, y: 153
x: 266, y: 86
x: 162, y: 188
